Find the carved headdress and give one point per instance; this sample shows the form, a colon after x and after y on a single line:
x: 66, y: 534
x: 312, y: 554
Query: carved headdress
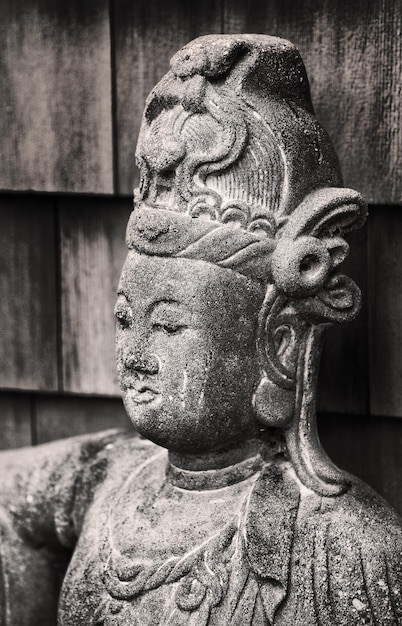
x: 236, y: 171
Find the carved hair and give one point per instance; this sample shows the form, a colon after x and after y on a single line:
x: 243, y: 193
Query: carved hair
x: 236, y: 170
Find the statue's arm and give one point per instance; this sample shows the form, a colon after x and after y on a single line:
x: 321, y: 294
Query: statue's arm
x: 44, y: 494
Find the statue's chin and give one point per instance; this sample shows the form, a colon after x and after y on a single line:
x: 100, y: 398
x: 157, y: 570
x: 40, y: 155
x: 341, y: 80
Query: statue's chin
x: 183, y: 430
x: 147, y: 416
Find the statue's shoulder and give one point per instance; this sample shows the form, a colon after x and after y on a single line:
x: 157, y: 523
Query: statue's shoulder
x: 49, y: 488
x: 104, y: 461
x: 351, y: 557
x: 114, y: 447
x: 92, y: 454
x: 336, y: 560
x: 122, y: 452
x: 363, y: 519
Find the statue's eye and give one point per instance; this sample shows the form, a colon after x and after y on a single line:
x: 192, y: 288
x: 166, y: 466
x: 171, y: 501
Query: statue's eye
x: 169, y: 328
x: 170, y: 317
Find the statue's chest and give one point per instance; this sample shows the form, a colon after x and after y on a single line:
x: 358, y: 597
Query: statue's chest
x: 143, y: 547
x: 160, y: 521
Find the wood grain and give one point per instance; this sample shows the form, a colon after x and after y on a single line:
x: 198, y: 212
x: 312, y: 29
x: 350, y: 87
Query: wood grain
x: 55, y: 81
x: 147, y: 33
x: 353, y: 55
x: 369, y: 447
x: 92, y: 242
x: 343, y: 384
x: 63, y: 416
x: 15, y: 420
x: 28, y: 317
x: 385, y: 288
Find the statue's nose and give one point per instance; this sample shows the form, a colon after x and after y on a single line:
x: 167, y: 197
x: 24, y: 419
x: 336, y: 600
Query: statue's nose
x: 142, y: 363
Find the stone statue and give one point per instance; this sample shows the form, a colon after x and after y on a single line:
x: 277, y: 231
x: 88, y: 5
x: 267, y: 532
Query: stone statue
x: 231, y: 275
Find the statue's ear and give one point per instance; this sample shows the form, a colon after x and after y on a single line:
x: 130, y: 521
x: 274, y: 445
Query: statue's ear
x: 278, y: 346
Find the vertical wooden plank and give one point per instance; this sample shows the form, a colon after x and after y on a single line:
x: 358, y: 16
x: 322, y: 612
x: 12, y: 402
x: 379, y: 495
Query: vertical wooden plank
x: 369, y: 447
x: 15, y: 420
x: 55, y: 81
x: 147, y: 34
x: 93, y: 249
x: 28, y: 317
x: 343, y: 384
x: 353, y: 55
x: 385, y: 288
x: 63, y: 416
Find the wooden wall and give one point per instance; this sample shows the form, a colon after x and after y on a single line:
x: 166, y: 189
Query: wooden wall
x: 74, y: 77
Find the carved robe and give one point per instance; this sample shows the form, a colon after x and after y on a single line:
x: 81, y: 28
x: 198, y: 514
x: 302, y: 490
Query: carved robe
x: 145, y: 550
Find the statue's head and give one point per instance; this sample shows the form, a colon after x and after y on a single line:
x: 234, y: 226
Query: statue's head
x: 234, y: 245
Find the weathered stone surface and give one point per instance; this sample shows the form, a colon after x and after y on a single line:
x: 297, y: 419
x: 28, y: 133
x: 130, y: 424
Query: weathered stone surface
x: 233, y: 515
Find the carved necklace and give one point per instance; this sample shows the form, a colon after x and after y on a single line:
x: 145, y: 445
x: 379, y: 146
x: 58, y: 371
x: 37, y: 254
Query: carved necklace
x: 202, y: 573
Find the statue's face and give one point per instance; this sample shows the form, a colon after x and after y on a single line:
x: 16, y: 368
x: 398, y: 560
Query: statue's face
x: 186, y: 352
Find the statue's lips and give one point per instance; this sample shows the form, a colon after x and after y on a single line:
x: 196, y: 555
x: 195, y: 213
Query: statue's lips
x: 141, y: 394
x: 142, y: 397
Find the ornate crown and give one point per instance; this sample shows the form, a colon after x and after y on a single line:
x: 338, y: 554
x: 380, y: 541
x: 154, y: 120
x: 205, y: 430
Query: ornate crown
x: 236, y: 170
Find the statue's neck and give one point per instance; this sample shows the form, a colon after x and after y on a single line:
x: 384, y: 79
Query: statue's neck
x: 216, y: 469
